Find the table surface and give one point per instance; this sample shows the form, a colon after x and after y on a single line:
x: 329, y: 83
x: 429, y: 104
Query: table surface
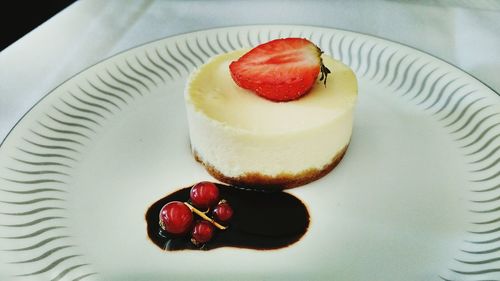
x: 463, y: 33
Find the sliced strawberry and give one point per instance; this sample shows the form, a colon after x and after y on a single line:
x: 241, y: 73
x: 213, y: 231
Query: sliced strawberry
x: 280, y: 70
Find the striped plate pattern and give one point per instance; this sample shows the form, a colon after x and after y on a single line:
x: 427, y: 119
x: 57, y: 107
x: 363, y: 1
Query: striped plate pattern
x: 39, y: 158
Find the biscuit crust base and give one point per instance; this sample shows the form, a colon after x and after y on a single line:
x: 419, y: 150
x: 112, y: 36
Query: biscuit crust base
x: 260, y: 181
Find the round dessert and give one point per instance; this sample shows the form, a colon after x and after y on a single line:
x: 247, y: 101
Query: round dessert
x: 244, y: 139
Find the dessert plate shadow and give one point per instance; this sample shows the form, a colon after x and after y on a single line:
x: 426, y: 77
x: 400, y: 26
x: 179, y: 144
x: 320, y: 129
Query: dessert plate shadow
x: 416, y: 197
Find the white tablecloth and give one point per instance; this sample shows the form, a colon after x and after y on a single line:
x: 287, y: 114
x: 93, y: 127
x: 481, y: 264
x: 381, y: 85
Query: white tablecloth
x: 464, y: 33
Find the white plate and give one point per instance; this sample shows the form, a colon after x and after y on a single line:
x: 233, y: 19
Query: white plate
x: 416, y: 197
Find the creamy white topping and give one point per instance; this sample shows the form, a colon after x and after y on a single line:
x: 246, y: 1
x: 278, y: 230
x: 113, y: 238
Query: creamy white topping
x: 213, y: 92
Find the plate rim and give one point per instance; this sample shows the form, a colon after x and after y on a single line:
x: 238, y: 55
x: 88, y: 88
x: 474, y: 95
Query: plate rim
x: 233, y: 26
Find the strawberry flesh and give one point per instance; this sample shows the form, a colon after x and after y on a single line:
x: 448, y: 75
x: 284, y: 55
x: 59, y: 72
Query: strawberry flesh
x: 279, y: 70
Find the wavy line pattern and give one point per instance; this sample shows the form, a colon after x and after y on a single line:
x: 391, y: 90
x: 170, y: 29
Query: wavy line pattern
x: 471, y: 120
x: 473, y: 123
x: 37, y: 174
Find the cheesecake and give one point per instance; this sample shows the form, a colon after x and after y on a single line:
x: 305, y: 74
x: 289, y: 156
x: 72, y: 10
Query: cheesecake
x: 246, y: 140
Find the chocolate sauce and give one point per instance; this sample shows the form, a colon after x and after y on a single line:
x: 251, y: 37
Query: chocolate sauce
x: 261, y: 220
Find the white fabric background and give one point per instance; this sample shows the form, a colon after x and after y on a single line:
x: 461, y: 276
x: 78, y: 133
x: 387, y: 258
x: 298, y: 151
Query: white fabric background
x: 464, y: 33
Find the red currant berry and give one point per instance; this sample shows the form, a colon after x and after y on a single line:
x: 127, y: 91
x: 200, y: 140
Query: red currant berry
x: 204, y: 194
x: 176, y: 217
x: 203, y: 231
x: 223, y: 212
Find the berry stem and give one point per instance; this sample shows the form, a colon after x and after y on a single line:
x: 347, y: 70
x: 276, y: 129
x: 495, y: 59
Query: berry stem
x: 205, y: 217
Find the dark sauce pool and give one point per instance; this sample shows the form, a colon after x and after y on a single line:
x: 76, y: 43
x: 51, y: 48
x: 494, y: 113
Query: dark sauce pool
x: 261, y: 220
